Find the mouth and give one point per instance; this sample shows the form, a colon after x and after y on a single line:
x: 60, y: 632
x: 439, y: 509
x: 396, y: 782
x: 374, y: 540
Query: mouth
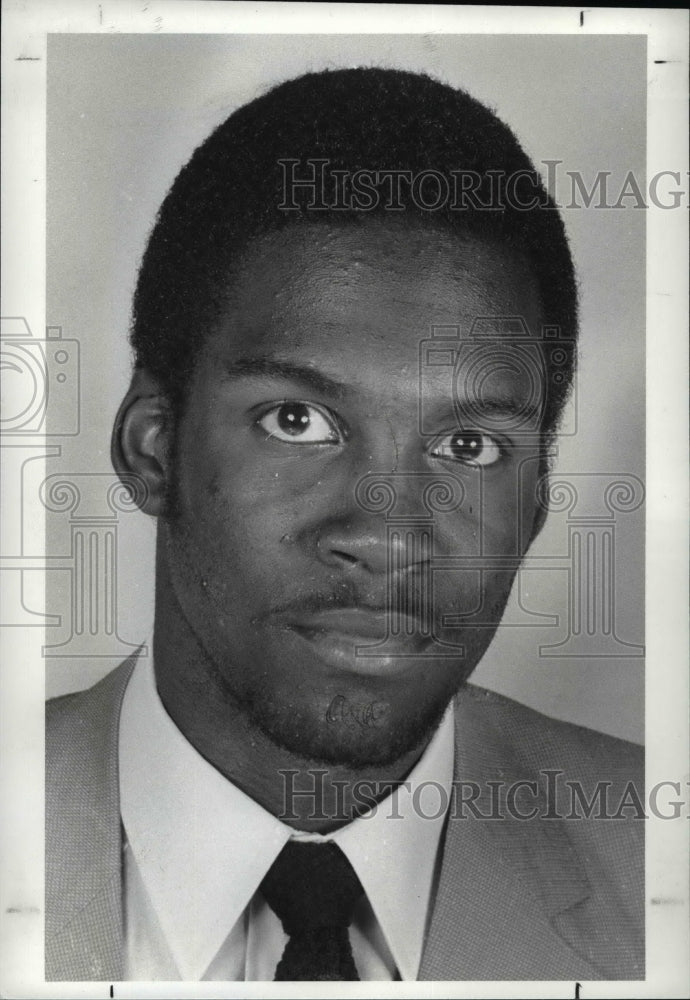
x: 362, y: 640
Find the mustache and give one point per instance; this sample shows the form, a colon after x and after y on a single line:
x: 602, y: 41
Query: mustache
x: 411, y: 598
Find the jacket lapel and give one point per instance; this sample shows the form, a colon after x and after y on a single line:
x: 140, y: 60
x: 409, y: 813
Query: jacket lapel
x: 84, y: 927
x: 505, y: 885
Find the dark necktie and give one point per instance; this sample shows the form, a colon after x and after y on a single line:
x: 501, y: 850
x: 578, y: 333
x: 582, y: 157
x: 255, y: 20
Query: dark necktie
x: 313, y: 889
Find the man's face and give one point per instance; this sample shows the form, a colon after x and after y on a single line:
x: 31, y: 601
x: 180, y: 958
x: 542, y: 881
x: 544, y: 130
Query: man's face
x: 281, y: 558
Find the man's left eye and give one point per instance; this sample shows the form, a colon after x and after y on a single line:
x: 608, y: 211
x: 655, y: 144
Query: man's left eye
x: 300, y: 423
x: 469, y: 446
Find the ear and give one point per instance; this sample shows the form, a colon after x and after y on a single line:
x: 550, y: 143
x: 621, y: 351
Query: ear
x: 141, y: 442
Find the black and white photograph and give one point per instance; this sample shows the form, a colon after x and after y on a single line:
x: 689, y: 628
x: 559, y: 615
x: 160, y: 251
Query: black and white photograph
x: 344, y: 523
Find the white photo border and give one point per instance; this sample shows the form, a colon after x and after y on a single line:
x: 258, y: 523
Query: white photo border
x: 26, y: 28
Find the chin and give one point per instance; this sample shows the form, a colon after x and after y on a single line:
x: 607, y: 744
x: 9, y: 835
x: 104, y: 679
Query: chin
x: 348, y: 731
x: 350, y: 720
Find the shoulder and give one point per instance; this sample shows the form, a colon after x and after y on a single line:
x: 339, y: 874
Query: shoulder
x: 81, y: 773
x: 81, y: 738
x: 571, y: 800
x: 589, y: 784
x: 85, y: 711
x: 83, y: 844
x: 533, y: 742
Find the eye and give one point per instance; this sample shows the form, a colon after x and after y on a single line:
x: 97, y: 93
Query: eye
x: 469, y: 446
x: 300, y: 423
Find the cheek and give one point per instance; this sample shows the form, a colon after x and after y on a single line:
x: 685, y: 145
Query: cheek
x: 502, y: 528
x: 508, y: 510
x: 228, y: 539
x: 496, y: 515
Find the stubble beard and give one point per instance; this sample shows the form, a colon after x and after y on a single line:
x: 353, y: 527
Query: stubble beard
x: 314, y: 740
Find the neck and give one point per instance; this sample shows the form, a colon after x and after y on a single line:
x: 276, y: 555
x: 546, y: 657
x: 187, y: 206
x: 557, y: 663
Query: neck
x: 306, y: 794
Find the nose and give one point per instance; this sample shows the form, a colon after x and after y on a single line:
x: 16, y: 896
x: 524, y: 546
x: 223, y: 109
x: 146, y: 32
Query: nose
x: 355, y: 542
x: 388, y: 527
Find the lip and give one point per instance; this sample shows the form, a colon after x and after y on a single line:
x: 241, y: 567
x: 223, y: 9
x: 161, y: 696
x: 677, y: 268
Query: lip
x: 336, y: 634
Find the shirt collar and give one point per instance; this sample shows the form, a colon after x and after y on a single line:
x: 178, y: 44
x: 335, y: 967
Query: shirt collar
x: 200, y: 882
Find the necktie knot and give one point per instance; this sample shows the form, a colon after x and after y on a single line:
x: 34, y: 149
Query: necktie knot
x: 313, y: 890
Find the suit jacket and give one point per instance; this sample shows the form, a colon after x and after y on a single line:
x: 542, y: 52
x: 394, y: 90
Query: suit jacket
x: 544, y: 898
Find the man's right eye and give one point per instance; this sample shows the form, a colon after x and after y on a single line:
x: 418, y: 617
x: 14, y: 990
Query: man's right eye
x: 300, y: 423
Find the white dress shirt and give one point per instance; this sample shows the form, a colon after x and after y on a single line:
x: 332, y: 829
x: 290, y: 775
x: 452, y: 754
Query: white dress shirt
x: 197, y: 848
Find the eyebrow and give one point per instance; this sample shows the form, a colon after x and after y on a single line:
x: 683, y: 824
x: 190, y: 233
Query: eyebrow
x: 263, y: 366
x: 508, y: 406
x: 276, y: 368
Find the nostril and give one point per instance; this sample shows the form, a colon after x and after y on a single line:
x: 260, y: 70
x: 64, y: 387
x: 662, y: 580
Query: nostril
x: 345, y: 557
x: 351, y: 549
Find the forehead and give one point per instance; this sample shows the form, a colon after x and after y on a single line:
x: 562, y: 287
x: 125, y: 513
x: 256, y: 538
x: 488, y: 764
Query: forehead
x: 366, y: 295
